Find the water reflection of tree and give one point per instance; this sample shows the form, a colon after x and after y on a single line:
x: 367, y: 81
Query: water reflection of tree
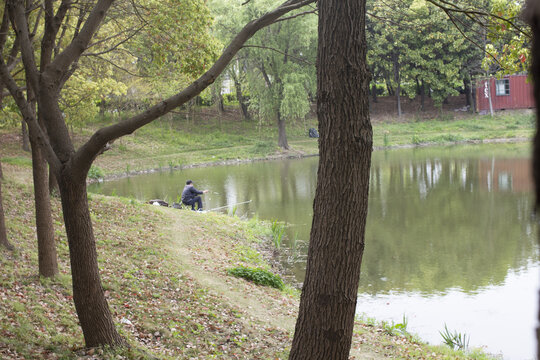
x: 459, y: 233
x: 438, y: 233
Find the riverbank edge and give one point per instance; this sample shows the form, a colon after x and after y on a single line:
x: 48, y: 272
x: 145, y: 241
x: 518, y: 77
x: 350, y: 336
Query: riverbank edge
x: 263, y: 312
x: 291, y: 155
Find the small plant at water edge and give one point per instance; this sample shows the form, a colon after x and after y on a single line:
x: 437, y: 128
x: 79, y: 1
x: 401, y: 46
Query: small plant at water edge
x: 278, y: 229
x: 396, y: 329
x: 258, y: 276
x: 454, y: 339
x: 95, y: 173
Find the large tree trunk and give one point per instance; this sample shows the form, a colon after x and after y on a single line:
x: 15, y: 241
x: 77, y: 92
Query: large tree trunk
x: 533, y: 13
x: 3, y: 233
x: 48, y: 265
x: 92, y: 308
x: 328, y: 302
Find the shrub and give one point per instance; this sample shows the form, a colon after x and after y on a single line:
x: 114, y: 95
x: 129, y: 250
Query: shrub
x: 258, y: 276
x: 95, y: 173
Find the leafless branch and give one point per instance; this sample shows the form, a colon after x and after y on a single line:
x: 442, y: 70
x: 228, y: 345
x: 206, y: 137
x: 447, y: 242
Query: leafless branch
x: 119, y: 67
x: 471, y: 11
x: 296, y: 15
x: 114, y: 47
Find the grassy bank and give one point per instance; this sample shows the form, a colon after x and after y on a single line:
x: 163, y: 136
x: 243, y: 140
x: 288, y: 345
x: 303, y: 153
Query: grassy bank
x: 172, y: 297
x: 175, y: 142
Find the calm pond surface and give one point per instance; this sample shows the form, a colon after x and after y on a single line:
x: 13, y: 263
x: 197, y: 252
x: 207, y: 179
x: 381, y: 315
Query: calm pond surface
x: 450, y: 237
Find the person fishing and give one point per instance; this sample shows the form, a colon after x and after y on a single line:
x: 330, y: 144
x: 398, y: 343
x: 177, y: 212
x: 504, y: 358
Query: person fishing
x: 190, y: 196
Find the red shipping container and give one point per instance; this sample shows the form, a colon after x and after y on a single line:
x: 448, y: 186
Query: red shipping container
x: 510, y: 92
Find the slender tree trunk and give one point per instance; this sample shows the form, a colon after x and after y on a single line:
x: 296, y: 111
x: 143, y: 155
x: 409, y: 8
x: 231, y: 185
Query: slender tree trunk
x: 468, y: 90
x: 374, y: 92
x: 389, y: 87
x: 489, y: 96
x: 88, y: 295
x: 48, y: 265
x: 282, y: 134
x: 397, y: 79
x: 533, y: 13
x: 472, y: 109
x: 3, y: 232
x: 217, y: 97
x: 328, y: 302
x: 241, y: 99
x: 25, y: 138
x: 422, y: 96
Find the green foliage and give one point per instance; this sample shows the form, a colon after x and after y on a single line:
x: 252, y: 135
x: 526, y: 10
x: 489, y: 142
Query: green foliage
x: 95, y: 173
x: 278, y: 230
x: 508, y: 49
x: 277, y: 71
x: 258, y: 276
x: 175, y: 47
x: 419, y: 44
x: 454, y: 339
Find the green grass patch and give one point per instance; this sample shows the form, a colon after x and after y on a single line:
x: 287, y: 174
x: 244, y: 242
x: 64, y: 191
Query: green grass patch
x: 258, y: 276
x: 18, y: 161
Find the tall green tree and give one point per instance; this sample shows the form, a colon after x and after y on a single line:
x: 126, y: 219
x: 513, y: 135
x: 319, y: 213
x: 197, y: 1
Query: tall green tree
x: 277, y: 64
x: 329, y: 295
x: 415, y: 48
x: 281, y: 71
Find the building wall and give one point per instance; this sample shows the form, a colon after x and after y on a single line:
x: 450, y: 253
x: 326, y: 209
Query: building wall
x: 520, y: 97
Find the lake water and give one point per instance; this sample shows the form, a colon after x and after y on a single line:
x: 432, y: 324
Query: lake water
x: 450, y: 237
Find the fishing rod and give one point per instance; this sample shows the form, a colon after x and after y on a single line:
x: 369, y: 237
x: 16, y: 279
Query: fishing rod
x: 223, y: 207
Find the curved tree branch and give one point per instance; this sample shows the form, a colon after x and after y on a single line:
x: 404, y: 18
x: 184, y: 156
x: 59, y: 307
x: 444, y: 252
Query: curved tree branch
x: 87, y: 153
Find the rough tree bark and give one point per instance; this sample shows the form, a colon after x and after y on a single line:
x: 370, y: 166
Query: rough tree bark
x: 71, y: 166
x: 3, y: 231
x: 88, y: 295
x: 328, y: 302
x: 532, y: 11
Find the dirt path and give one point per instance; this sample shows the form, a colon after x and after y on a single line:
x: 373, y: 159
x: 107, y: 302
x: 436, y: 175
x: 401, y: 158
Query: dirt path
x: 204, y: 258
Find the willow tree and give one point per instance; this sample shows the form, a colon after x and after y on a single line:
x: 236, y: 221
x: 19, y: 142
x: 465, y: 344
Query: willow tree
x: 328, y: 301
x: 71, y: 165
x: 277, y: 65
